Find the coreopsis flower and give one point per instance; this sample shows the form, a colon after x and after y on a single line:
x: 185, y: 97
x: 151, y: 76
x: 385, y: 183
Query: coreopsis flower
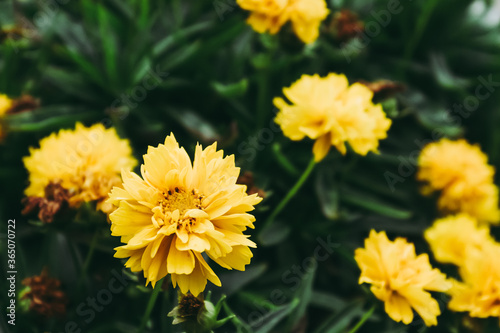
x: 270, y: 15
x: 5, y: 105
x: 178, y: 211
x: 44, y: 295
x: 400, y: 278
x: 332, y: 112
x: 479, y: 291
x: 86, y: 162
x: 450, y: 238
x: 462, y: 174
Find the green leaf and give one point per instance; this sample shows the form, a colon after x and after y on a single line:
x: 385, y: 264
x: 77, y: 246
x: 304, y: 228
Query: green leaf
x: 108, y: 42
x: 325, y: 300
x: 180, y: 36
x: 195, y: 124
x: 231, y: 90
x: 271, y: 319
x: 304, y: 294
x: 375, y: 205
x: 276, y: 233
x: 234, y: 281
x: 339, y: 322
x: 327, y: 190
x: 70, y: 83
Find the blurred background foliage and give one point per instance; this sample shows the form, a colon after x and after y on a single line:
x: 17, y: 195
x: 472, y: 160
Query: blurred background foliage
x: 196, y: 69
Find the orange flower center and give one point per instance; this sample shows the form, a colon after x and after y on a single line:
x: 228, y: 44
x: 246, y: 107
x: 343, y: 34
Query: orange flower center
x: 173, y: 206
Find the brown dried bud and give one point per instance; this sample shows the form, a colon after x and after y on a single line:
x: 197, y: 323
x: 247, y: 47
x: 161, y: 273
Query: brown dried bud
x: 383, y: 89
x: 45, y: 296
x: 14, y: 33
x: 345, y: 25
x: 188, y: 308
x: 189, y: 305
x: 247, y: 179
x: 56, y: 199
x: 24, y: 103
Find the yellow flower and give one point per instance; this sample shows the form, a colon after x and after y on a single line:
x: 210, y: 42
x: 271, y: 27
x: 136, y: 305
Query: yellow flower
x: 462, y: 174
x: 5, y: 105
x: 86, y: 161
x: 331, y: 112
x: 270, y: 15
x: 452, y: 237
x: 178, y: 211
x: 479, y: 291
x: 400, y: 278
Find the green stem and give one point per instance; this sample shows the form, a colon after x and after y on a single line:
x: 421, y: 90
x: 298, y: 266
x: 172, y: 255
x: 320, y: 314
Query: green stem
x: 283, y: 160
x: 88, y: 259
x: 289, y: 195
x: 365, y: 317
x: 263, y: 102
x: 151, y: 303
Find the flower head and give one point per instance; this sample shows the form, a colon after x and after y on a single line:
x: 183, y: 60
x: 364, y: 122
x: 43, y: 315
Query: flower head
x: 86, y: 162
x: 331, y: 112
x: 479, y: 291
x: 271, y: 15
x: 400, y: 278
x: 179, y: 211
x: 462, y: 174
x: 452, y: 237
x: 5, y: 105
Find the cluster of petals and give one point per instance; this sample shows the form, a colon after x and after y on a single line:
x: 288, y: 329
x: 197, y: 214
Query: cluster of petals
x: 452, y: 237
x: 179, y: 214
x: 462, y: 241
x: 333, y: 113
x: 86, y: 161
x: 400, y: 278
x: 270, y: 15
x: 461, y: 173
x: 479, y: 291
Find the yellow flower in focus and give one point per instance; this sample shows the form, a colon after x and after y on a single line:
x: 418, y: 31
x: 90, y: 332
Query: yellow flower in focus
x: 270, y: 15
x: 479, y: 291
x: 400, y: 278
x: 462, y: 174
x: 179, y: 211
x: 331, y: 112
x: 450, y: 238
x: 86, y: 161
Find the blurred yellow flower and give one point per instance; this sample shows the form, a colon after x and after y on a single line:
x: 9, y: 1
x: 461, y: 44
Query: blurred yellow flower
x: 400, y: 278
x: 270, y: 15
x: 450, y: 238
x: 179, y: 211
x: 86, y: 161
x: 462, y: 174
x: 5, y: 105
x: 331, y: 112
x: 479, y: 291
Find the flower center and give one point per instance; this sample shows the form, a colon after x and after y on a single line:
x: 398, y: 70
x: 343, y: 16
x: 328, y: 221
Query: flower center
x: 173, y: 206
x: 181, y: 200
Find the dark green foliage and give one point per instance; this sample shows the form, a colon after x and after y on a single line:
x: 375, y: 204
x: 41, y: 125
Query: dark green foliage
x: 196, y: 69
